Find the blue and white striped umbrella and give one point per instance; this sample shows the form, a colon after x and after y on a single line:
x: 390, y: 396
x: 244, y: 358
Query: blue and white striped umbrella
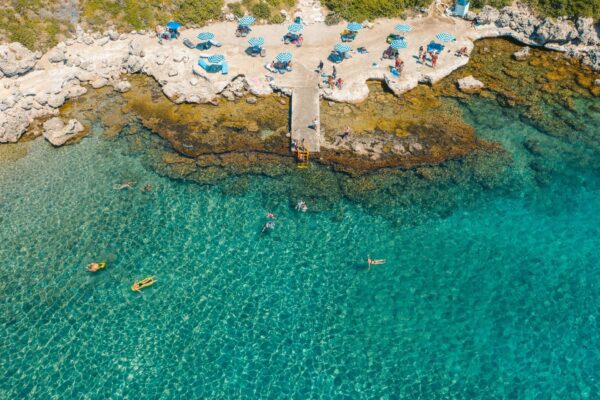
x: 206, y: 35
x: 256, y: 41
x: 284, y: 57
x: 216, y: 59
x: 398, y: 44
x: 445, y: 37
x: 247, y: 20
x: 342, y: 48
x: 295, y: 28
x: 403, y: 28
x: 354, y: 26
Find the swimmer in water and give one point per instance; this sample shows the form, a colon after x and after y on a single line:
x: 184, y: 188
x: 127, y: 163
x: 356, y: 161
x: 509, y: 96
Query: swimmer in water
x: 268, y: 226
x: 374, y: 262
x: 124, y: 185
x: 270, y: 215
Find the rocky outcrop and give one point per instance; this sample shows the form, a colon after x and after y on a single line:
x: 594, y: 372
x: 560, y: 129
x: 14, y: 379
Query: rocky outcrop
x: 558, y: 31
x: 58, y: 133
x: 580, y: 40
x: 587, y: 31
x: 16, y: 59
x: 488, y: 15
x: 470, y: 85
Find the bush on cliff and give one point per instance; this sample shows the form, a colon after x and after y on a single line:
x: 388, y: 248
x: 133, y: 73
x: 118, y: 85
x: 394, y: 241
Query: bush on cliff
x: 360, y: 10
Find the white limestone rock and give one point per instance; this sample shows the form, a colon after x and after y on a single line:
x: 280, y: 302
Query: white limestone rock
x: 56, y: 100
x: 58, y: 133
x: 16, y: 59
x: 122, y: 86
x: 555, y: 31
x: 488, y: 15
x: 99, y: 83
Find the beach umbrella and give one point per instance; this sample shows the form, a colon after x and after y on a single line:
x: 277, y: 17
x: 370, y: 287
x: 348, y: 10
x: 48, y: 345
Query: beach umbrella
x: 354, y: 26
x: 284, y: 57
x: 445, y: 37
x: 403, y: 28
x: 342, y: 48
x: 206, y: 35
x: 398, y: 44
x: 295, y: 28
x: 256, y: 41
x: 435, y: 47
x: 247, y: 20
x: 216, y: 59
x: 174, y: 25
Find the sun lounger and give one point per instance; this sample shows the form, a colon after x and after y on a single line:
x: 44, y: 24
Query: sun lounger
x: 215, y: 43
x: 204, y: 45
x: 188, y: 43
x: 203, y: 64
x: 224, y: 68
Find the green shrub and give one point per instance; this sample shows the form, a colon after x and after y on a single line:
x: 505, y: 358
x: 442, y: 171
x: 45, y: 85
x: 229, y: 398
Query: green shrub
x: 360, y: 10
x: 277, y: 19
x: 261, y: 10
x: 274, y: 3
x: 236, y: 9
x: 198, y: 11
x: 333, y: 19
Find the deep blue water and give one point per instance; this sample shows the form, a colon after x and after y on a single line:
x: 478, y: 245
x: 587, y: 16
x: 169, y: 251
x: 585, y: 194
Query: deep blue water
x: 497, y: 299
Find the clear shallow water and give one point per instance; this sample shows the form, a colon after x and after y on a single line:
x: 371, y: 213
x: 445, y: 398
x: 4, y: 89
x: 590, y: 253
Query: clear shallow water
x: 498, y: 300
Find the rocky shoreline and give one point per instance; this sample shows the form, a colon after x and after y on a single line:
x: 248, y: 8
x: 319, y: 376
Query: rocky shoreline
x: 35, y: 86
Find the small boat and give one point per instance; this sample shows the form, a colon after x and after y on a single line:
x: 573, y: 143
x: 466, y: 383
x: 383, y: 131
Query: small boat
x: 101, y: 265
x: 137, y: 286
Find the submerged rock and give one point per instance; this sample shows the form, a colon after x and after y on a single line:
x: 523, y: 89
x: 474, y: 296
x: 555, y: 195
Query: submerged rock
x: 58, y: 133
x: 470, y: 85
x: 522, y: 54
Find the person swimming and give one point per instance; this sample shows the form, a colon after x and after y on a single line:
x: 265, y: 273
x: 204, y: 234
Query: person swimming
x: 270, y: 215
x: 124, y: 185
x: 301, y: 206
x: 268, y: 226
x: 94, y: 267
x: 374, y: 262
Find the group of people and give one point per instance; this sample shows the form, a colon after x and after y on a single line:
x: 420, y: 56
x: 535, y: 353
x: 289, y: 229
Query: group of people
x: 433, y: 55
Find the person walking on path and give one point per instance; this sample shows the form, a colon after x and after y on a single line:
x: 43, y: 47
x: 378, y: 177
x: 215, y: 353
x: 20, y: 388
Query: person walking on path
x: 334, y: 73
x: 320, y: 67
x: 434, y: 58
x: 421, y: 51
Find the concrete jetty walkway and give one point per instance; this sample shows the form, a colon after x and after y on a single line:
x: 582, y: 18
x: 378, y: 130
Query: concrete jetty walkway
x: 305, y: 108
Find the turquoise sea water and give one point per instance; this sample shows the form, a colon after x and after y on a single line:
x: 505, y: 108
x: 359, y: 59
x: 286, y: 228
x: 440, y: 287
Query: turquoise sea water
x: 497, y: 299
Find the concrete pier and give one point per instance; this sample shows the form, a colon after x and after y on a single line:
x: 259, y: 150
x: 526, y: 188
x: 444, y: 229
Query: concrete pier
x: 305, y: 108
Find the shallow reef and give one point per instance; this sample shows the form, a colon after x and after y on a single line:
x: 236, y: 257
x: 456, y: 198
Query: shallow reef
x: 420, y: 148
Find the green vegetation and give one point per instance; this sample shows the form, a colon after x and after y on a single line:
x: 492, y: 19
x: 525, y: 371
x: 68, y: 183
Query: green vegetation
x: 360, y: 10
x: 573, y: 8
x: 478, y: 4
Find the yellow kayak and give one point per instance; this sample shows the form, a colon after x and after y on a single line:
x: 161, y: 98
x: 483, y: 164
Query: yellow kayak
x: 137, y: 286
x: 100, y: 266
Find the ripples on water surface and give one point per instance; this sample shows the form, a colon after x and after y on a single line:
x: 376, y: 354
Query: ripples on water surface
x: 499, y: 299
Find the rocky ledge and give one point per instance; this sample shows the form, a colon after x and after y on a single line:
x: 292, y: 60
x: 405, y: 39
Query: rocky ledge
x: 580, y: 39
